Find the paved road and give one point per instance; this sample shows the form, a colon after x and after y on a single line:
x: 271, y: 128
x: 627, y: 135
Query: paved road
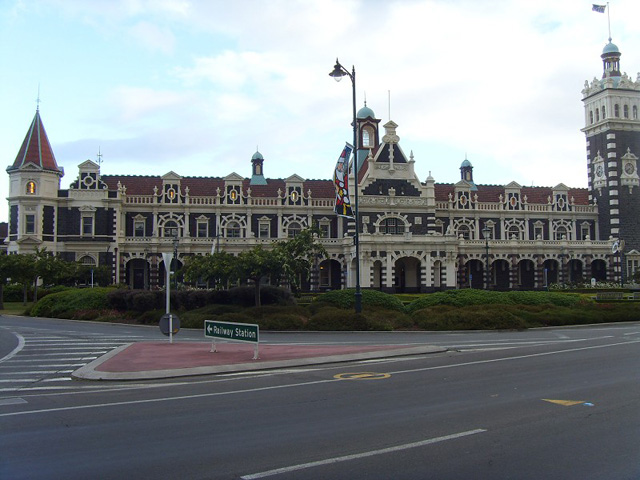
x: 547, y: 404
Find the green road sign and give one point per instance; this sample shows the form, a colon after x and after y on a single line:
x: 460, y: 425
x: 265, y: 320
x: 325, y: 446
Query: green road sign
x: 238, y: 332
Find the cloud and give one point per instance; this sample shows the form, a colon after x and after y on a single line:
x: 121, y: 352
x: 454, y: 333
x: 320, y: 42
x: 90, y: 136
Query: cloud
x: 153, y: 37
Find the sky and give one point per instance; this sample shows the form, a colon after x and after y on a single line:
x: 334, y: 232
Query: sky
x: 196, y: 86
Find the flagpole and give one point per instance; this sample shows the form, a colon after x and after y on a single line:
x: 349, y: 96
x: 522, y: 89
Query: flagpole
x: 609, y: 20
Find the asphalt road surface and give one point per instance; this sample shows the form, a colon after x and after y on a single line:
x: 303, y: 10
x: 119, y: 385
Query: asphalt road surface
x: 555, y: 404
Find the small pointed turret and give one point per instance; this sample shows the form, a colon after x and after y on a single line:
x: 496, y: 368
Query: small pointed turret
x: 36, y: 149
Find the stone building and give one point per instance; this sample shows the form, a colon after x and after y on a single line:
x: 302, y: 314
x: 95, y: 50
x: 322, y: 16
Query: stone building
x: 414, y: 235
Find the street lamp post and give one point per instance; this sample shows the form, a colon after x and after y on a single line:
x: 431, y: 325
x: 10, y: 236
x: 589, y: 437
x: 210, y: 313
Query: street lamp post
x: 338, y: 72
x: 486, y: 231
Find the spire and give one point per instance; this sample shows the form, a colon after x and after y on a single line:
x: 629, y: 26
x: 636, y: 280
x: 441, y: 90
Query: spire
x: 36, y: 149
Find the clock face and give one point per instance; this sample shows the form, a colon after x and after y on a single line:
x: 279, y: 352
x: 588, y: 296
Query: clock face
x: 629, y: 168
x: 599, y: 170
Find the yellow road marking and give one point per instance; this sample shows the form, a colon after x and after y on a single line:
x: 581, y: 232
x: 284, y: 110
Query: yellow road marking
x: 566, y: 403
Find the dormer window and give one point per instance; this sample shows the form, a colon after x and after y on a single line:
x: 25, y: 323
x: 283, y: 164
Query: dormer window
x: 31, y: 188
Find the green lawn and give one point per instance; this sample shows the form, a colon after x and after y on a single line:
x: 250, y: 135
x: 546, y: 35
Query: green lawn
x: 15, y: 308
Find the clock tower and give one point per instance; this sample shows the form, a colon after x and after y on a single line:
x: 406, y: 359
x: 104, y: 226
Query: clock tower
x: 612, y: 130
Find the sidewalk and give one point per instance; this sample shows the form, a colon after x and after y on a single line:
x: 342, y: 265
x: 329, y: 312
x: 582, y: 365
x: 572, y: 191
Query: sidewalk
x: 154, y: 360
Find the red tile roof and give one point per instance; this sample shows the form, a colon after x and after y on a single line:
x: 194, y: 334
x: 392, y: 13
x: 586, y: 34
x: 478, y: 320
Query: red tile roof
x: 207, y: 186
x: 491, y: 193
x: 36, y: 148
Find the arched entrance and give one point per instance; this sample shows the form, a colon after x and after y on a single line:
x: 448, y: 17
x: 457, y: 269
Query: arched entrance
x: 330, y: 275
x: 407, y: 275
x: 177, y: 265
x: 599, y: 270
x: 526, y: 274
x: 574, y: 269
x: 474, y: 274
x: 500, y: 272
x: 550, y: 272
x: 137, y: 274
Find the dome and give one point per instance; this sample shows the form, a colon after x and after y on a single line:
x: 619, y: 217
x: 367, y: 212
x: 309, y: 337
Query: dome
x: 466, y: 163
x: 257, y: 156
x: 610, y: 48
x: 365, y: 112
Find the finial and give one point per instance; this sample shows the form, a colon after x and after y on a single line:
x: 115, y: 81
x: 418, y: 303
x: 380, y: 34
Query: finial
x: 99, y: 157
x: 38, y: 99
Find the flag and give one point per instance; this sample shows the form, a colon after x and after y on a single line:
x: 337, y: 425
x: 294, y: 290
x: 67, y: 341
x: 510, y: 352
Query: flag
x: 341, y: 183
x: 598, y: 8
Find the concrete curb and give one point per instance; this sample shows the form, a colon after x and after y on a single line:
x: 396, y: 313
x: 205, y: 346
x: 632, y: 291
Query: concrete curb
x: 89, y: 372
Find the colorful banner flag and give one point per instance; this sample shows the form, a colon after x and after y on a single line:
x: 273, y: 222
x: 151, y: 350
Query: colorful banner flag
x: 598, y: 8
x: 341, y: 183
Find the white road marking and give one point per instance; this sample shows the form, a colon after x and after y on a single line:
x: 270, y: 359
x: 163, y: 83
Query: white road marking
x: 357, y: 456
x: 12, y: 401
x: 304, y: 384
x: 15, y: 350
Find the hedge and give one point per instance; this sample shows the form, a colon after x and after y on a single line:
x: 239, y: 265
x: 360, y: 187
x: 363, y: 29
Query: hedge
x: 466, y: 297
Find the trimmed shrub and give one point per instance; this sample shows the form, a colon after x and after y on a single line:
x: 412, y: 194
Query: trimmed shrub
x: 466, y: 297
x: 337, y: 319
x: 64, y: 304
x: 476, y: 317
x: 370, y: 298
x: 386, y: 320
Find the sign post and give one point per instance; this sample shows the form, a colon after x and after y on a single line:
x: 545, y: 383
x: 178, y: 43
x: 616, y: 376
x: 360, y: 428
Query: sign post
x: 235, y: 332
x: 168, y: 257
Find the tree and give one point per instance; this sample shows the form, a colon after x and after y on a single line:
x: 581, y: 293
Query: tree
x: 298, y: 255
x: 7, y: 269
x: 24, y: 271
x: 255, y: 264
x: 217, y: 267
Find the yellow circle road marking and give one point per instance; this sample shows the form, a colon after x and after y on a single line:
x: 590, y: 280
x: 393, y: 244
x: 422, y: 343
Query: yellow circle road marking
x: 362, y: 376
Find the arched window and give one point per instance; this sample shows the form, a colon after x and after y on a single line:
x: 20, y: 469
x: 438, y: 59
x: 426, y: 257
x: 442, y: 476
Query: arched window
x: 561, y: 232
x: 597, y: 114
x: 293, y: 229
x: 87, y: 260
x: 514, y: 232
x: 625, y: 110
x: 31, y: 187
x: 604, y: 115
x: 170, y: 229
x: 590, y: 116
x: 464, y: 232
x: 616, y: 110
x: 233, y: 230
x: 635, y: 112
